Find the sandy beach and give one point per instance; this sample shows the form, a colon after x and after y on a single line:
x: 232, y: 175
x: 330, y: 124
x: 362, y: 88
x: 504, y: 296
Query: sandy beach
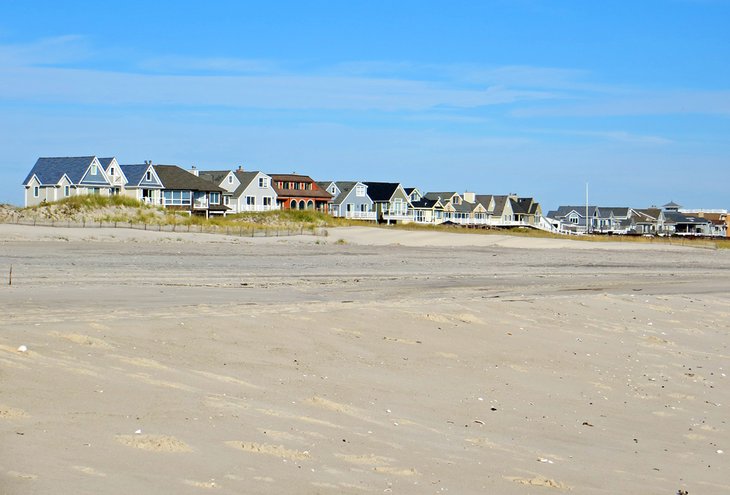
x: 367, y: 361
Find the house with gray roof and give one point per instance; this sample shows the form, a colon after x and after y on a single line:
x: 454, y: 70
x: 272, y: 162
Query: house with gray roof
x: 116, y: 177
x: 142, y: 183
x: 390, y: 202
x: 56, y: 178
x: 185, y: 191
x: 350, y: 200
x: 255, y: 192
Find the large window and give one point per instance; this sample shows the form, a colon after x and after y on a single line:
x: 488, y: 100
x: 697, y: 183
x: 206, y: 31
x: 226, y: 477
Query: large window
x: 267, y: 200
x: 176, y: 198
x: 215, y: 198
x: 250, y: 200
x: 360, y: 190
x: 263, y: 182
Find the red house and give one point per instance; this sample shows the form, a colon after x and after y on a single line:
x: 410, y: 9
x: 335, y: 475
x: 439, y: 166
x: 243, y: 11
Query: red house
x: 299, y: 192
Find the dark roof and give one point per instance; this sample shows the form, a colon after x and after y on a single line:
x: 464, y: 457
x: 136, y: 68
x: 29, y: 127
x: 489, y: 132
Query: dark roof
x: 315, y: 192
x: 214, y: 176
x: 50, y: 170
x: 564, y: 211
x: 484, y: 200
x: 345, y: 187
x: 444, y: 196
x: 676, y: 217
x: 135, y: 172
x: 105, y: 162
x: 174, y: 177
x: 381, y: 191
x: 617, y: 211
x: 500, y: 203
x: 671, y: 204
x: 426, y: 203
x: 245, y: 178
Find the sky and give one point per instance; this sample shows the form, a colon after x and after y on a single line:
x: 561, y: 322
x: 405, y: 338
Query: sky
x: 629, y: 100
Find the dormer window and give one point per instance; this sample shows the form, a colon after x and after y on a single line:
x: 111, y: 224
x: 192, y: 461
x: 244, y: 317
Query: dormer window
x: 230, y: 179
x: 111, y: 171
x: 360, y: 191
x: 93, y: 169
x: 264, y: 182
x: 148, y: 176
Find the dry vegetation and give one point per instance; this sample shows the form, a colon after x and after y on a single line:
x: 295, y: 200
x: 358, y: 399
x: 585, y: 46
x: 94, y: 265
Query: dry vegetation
x: 124, y: 210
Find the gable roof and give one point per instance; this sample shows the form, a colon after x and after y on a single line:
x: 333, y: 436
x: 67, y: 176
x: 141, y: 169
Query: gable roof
x: 135, y: 172
x: 105, y: 162
x: 174, y: 177
x: 345, y: 188
x: 245, y: 178
x: 381, y: 191
x: 315, y: 192
x: 444, y: 196
x: 50, y: 170
x: 427, y: 203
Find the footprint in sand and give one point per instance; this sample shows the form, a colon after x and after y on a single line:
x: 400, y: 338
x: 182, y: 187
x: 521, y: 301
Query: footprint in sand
x: 538, y: 481
x: 154, y: 443
x: 89, y: 470
x: 269, y: 449
x: 12, y: 413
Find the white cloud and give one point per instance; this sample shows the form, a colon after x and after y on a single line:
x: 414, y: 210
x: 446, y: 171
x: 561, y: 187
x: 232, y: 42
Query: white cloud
x: 45, y: 51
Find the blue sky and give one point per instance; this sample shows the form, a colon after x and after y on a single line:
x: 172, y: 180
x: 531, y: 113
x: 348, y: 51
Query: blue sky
x: 495, y: 96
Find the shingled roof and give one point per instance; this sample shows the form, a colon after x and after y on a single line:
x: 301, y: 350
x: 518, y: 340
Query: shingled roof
x: 174, y: 177
x: 50, y: 170
x: 381, y: 191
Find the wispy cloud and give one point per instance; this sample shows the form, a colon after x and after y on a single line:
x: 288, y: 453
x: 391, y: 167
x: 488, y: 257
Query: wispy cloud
x: 46, y: 51
x: 620, y: 136
x: 216, y: 65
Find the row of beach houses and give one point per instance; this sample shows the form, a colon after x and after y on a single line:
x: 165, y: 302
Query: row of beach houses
x: 223, y: 192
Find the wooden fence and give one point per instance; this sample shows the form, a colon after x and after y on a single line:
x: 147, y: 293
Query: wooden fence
x: 240, y: 231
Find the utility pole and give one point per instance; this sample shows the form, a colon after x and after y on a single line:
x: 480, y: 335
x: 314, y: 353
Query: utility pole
x: 587, y: 229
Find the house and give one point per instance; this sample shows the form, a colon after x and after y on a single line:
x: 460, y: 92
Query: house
x: 350, y: 200
x: 55, y: 178
x: 185, y: 191
x: 225, y: 179
x: 526, y: 211
x: 142, y: 183
x: 647, y: 221
x: 718, y: 218
x: 676, y: 223
x: 390, y: 202
x: 299, y: 192
x: 575, y: 219
x: 255, y: 192
x: 116, y: 176
x: 427, y: 210
x: 414, y: 194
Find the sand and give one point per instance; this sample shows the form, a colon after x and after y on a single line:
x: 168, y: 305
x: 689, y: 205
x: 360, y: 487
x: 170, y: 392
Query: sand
x: 368, y: 361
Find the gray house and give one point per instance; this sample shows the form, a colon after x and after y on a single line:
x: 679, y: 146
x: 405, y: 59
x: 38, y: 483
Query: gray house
x: 55, y: 178
x: 142, y: 183
x: 350, y: 200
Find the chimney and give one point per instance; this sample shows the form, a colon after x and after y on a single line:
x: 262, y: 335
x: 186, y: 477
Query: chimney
x: 194, y: 170
x: 470, y: 197
x: 240, y: 168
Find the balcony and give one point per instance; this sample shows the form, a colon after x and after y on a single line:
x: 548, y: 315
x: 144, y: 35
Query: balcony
x: 356, y: 215
x: 248, y: 208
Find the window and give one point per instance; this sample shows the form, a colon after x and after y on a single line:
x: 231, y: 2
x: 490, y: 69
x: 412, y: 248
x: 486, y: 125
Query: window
x: 573, y: 218
x: 215, y: 198
x: 36, y: 191
x: 333, y: 189
x: 111, y: 171
x: 93, y: 169
x: 263, y: 182
x: 67, y: 191
x: 230, y: 179
x: 349, y: 207
x: 226, y: 200
x: 360, y: 191
x: 267, y: 200
x: 148, y: 176
x: 176, y: 198
x: 250, y: 200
